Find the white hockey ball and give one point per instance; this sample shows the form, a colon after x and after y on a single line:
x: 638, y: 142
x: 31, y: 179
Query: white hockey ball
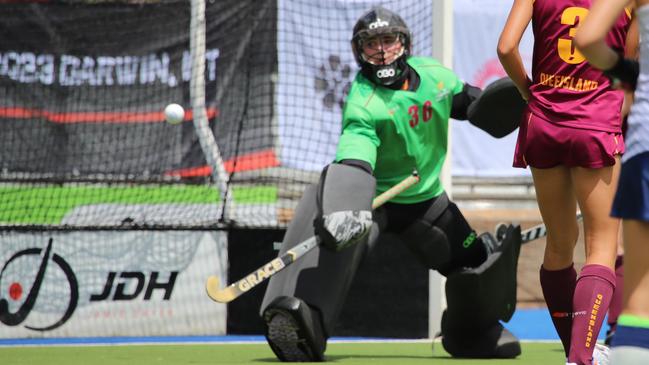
x: 174, y: 113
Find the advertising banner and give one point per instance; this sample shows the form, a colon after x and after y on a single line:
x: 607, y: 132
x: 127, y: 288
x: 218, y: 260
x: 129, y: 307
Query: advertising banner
x: 83, y: 87
x: 132, y: 283
x: 477, y: 27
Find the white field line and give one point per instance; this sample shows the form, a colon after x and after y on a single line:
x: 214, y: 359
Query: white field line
x: 99, y: 343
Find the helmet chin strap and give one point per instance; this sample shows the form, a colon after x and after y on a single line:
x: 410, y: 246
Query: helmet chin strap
x: 386, y: 75
x: 382, y: 74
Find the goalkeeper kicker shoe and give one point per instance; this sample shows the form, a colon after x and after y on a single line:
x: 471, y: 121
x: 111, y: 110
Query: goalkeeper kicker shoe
x: 293, y: 330
x: 495, y: 343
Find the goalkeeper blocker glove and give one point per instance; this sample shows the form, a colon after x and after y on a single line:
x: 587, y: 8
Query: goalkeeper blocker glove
x: 338, y: 230
x: 344, y: 203
x: 624, y: 74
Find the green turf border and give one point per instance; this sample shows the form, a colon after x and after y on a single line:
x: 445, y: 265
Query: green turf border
x: 48, y: 205
x: 399, y: 353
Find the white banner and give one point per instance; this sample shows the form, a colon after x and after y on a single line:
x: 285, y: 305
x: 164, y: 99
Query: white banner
x: 477, y: 27
x: 316, y: 66
x: 134, y: 283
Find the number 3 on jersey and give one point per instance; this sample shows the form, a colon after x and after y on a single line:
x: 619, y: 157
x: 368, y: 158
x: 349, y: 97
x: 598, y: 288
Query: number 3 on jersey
x: 565, y: 47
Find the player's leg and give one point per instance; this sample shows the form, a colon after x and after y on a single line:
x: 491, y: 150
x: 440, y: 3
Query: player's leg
x: 557, y: 205
x: 615, y: 308
x: 303, y: 301
x: 289, y: 320
x: 631, y: 341
x: 594, y: 189
x: 443, y: 240
x: 617, y: 302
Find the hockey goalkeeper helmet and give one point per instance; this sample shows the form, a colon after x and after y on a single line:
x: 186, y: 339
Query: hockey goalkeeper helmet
x: 381, y: 44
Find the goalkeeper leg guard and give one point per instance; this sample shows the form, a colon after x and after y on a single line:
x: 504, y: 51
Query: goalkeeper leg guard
x: 478, y: 298
x: 443, y: 240
x: 294, y: 330
x: 321, y: 277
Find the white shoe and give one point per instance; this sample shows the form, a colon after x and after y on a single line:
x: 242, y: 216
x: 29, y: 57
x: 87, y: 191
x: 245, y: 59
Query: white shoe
x: 600, y: 355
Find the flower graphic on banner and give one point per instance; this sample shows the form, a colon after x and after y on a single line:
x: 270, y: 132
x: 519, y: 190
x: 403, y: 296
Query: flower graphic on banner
x: 333, y: 79
x: 491, y: 70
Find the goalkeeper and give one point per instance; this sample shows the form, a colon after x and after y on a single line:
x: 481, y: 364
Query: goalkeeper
x: 395, y: 120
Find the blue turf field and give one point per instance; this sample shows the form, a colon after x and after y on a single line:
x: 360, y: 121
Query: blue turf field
x: 535, y: 324
x: 527, y: 324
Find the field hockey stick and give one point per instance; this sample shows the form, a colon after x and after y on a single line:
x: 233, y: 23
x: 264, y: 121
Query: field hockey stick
x: 235, y: 290
x: 528, y: 235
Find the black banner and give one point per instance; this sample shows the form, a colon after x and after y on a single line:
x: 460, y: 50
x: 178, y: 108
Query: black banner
x: 83, y: 87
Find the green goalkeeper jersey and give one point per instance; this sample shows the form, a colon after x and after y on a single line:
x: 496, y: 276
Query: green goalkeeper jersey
x: 397, y: 131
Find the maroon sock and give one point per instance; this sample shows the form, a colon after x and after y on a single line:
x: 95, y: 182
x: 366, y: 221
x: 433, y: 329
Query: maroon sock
x: 616, y: 302
x: 592, y: 298
x: 558, y: 288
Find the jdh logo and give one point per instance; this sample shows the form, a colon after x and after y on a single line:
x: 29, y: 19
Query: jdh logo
x: 137, y: 279
x: 22, y: 290
x: 17, y: 288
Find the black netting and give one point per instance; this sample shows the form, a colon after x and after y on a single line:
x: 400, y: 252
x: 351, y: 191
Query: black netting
x: 83, y: 85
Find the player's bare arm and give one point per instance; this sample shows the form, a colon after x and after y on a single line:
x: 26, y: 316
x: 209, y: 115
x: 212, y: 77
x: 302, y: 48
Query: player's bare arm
x: 510, y: 38
x: 591, y: 41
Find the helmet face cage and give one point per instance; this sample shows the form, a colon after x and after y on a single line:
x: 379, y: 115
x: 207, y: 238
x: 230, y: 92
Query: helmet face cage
x: 380, y: 21
x: 378, y: 55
